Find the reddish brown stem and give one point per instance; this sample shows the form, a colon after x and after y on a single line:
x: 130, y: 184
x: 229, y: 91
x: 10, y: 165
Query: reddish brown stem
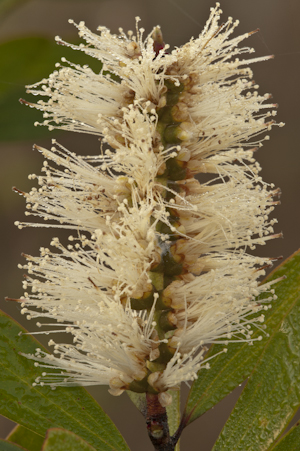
x: 157, y: 425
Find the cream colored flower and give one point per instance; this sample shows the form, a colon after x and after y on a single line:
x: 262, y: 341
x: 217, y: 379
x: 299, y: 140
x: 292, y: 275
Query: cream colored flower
x: 157, y: 267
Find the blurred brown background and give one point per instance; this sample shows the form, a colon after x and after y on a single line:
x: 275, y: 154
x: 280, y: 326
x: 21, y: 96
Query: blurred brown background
x: 279, y: 34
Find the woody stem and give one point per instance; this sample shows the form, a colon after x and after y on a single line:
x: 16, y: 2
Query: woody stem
x: 157, y: 425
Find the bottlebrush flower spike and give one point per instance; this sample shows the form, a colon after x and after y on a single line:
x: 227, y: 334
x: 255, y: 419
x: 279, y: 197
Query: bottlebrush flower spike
x: 157, y: 267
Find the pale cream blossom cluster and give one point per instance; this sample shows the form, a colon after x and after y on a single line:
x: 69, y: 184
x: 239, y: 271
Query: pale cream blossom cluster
x: 157, y: 266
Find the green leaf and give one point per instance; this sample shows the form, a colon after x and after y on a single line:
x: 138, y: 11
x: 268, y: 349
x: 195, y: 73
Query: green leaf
x: 290, y: 442
x: 39, y: 408
x: 173, y: 412
x: 7, y: 446
x: 16, y: 122
x: 139, y: 400
x: 26, y: 61
x: 272, y: 395
x: 61, y: 440
x: 231, y: 369
x: 26, y: 438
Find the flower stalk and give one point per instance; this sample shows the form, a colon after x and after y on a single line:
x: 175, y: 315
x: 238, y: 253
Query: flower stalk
x: 157, y: 424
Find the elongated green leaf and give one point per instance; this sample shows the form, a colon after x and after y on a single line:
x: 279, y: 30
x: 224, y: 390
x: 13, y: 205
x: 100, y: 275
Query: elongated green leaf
x: 16, y: 122
x: 174, y: 414
x: 139, y: 400
x: 39, y: 408
x: 26, y: 61
x: 26, y: 438
x: 7, y: 446
x: 272, y: 395
x: 61, y: 440
x: 231, y: 369
x: 290, y: 442
x: 173, y: 411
